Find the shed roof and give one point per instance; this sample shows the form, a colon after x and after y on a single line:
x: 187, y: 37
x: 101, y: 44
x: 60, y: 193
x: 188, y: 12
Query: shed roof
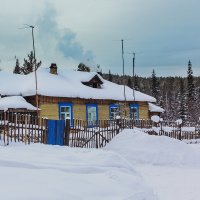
x: 155, y: 108
x: 15, y: 102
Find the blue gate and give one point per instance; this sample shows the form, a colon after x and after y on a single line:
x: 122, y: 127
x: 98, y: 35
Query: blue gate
x: 55, y: 133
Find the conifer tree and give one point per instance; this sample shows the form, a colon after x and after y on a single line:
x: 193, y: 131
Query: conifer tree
x: 129, y: 82
x: 136, y: 83
x: 82, y: 67
x: 190, y: 82
x: 191, y: 100
x: 110, y: 78
x: 154, y: 86
x: 30, y: 64
x: 182, y: 108
x: 17, y: 69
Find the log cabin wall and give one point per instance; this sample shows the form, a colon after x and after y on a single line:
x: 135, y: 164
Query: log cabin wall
x: 144, y: 110
x: 49, y: 107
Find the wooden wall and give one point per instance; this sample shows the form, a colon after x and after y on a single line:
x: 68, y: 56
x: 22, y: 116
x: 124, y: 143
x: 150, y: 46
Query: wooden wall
x: 49, y: 107
x: 49, y: 110
x: 144, y: 110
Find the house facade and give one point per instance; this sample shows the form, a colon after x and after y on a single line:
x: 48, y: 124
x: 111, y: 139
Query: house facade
x: 66, y: 94
x: 90, y: 110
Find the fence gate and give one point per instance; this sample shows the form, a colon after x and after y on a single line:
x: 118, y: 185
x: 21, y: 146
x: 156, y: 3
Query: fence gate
x: 55, y: 134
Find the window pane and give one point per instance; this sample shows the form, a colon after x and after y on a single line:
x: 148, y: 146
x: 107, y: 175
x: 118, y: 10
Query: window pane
x: 134, y: 113
x: 62, y: 116
x: 92, y: 115
x: 113, y: 112
x: 62, y: 109
x: 65, y: 112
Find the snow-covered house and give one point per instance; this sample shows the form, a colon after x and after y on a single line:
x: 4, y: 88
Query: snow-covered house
x: 73, y: 94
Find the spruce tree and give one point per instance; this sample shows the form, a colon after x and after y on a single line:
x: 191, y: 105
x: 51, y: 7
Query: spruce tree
x: 191, y: 100
x: 30, y: 64
x: 190, y: 82
x: 110, y: 78
x: 129, y: 82
x: 17, y: 69
x: 82, y: 67
x: 136, y: 83
x: 182, y: 108
x: 154, y: 86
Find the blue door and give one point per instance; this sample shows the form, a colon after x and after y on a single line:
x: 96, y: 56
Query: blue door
x: 55, y: 133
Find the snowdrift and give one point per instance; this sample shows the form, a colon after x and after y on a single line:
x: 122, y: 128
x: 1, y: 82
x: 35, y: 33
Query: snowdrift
x: 138, y: 147
x: 46, y: 172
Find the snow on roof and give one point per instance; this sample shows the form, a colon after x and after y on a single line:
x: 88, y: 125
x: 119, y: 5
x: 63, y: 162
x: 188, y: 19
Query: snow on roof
x: 15, y: 102
x: 66, y: 84
x: 154, y: 108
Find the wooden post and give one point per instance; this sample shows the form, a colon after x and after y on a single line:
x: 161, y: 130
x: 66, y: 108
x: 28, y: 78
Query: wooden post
x: 67, y: 132
x: 118, y: 125
x: 180, y: 132
x: 25, y: 137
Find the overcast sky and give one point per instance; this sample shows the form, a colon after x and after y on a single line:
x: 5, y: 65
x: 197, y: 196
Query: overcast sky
x: 164, y: 34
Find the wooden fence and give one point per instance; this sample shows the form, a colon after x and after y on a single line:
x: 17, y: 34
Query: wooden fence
x: 188, y: 131
x: 98, y: 134
x: 27, y: 128
x: 102, y: 132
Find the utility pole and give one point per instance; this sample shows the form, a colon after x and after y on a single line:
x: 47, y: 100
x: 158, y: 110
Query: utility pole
x: 133, y: 76
x: 34, y: 63
x: 123, y: 76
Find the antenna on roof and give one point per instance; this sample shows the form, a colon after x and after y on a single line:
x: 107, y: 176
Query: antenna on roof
x: 36, y: 86
x: 133, y: 78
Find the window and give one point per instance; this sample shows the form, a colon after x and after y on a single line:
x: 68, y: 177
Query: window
x: 114, y: 111
x: 92, y: 115
x: 134, y: 111
x: 65, y: 112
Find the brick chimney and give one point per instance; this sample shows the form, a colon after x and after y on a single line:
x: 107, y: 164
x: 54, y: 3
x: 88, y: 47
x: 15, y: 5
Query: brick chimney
x: 53, y: 68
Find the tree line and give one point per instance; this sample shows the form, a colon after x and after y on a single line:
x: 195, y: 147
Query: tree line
x: 179, y: 96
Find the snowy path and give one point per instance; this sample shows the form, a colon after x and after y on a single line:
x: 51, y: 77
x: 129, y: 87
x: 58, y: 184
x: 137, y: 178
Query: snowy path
x: 172, y: 183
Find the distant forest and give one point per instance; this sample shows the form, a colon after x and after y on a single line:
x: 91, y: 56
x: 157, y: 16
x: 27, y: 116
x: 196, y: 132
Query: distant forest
x: 180, y: 97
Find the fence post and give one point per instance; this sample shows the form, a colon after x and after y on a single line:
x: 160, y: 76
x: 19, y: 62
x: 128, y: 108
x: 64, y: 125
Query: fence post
x: 67, y: 132
x: 179, y: 131
x: 118, y: 125
x: 96, y: 139
x: 161, y: 128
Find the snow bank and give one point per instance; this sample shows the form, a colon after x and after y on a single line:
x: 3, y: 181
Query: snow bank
x: 46, y: 172
x: 138, y: 147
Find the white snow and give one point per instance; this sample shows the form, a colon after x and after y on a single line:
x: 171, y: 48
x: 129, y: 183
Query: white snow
x: 65, y: 84
x: 133, y: 166
x: 139, y: 147
x: 15, y: 102
x: 155, y: 118
x: 155, y: 108
x: 179, y: 121
x: 46, y: 172
x: 170, y: 167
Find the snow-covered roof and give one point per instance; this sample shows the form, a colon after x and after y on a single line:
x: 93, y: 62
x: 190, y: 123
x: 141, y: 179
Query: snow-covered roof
x: 65, y: 84
x: 15, y: 102
x: 154, y: 108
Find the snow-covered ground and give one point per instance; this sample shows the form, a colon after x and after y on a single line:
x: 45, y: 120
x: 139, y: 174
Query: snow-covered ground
x: 133, y: 166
